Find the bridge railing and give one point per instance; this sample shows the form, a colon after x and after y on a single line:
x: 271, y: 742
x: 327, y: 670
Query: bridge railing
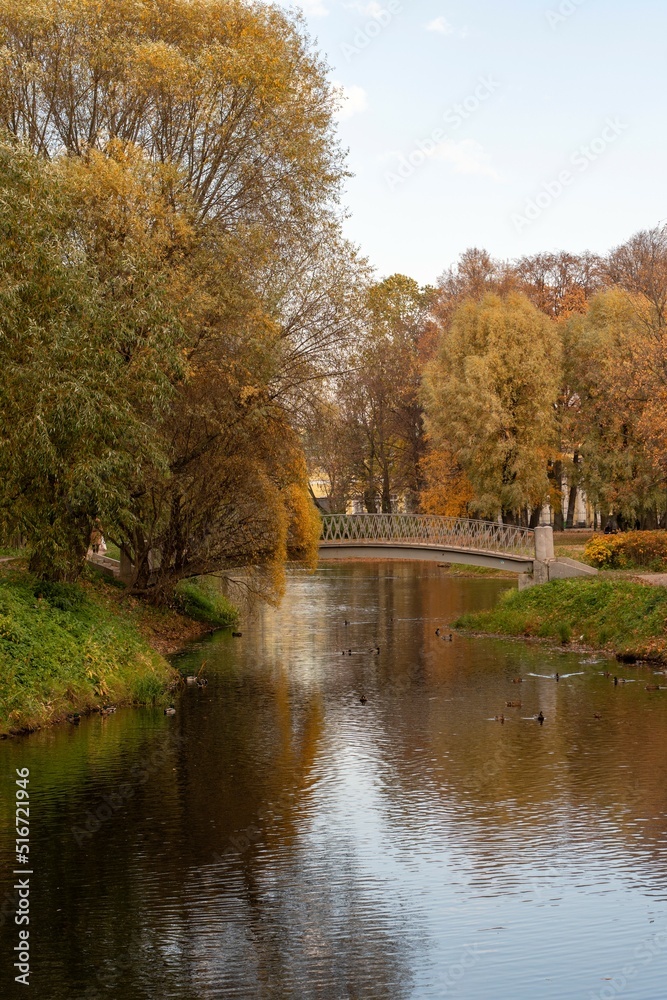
x: 424, y: 529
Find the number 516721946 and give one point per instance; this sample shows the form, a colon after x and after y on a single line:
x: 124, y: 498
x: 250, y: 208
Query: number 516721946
x: 22, y: 815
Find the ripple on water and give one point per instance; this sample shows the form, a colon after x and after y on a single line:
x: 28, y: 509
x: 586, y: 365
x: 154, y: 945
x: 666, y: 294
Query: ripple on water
x: 281, y: 839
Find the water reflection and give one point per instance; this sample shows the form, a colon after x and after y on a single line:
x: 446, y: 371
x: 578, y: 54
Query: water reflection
x: 277, y: 838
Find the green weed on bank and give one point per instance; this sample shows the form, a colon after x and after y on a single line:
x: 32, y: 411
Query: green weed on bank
x: 61, y: 651
x: 624, y: 617
x: 199, y: 599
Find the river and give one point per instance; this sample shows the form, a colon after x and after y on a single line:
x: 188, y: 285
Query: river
x: 280, y: 838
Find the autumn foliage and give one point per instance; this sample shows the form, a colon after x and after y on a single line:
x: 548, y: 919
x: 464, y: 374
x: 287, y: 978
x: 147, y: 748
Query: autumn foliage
x: 447, y: 491
x: 186, y: 337
x: 511, y: 387
x: 489, y: 395
x: 175, y: 281
x: 629, y: 550
x: 547, y: 378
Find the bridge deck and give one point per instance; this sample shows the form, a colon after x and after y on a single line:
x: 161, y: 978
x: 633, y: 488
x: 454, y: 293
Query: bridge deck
x: 329, y: 551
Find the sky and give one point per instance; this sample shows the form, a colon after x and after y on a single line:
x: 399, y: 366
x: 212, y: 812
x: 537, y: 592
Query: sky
x: 515, y: 126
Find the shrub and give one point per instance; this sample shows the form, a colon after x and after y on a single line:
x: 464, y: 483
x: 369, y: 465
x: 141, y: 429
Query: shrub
x: 630, y: 550
x: 601, y: 551
x: 646, y: 549
x: 65, y: 596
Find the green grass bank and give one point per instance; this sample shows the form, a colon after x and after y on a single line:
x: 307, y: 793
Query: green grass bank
x: 73, y: 649
x: 619, y: 616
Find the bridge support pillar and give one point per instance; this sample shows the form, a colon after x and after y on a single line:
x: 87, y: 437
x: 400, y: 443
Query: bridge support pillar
x: 540, y: 574
x: 544, y: 544
x: 544, y: 558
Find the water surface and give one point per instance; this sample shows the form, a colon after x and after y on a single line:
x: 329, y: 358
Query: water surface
x: 279, y: 839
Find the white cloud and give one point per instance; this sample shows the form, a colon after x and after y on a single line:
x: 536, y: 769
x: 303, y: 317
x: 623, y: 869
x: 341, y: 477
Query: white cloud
x: 313, y: 8
x: 466, y: 157
x: 440, y: 25
x: 353, y: 100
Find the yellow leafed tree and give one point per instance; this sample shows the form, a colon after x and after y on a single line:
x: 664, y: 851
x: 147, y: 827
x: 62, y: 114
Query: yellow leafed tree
x: 200, y: 154
x: 490, y: 397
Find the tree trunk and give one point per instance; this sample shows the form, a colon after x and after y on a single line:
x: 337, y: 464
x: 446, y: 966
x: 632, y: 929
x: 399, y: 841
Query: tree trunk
x: 62, y: 557
x: 572, y: 499
x: 535, y: 518
x: 649, y: 520
x: 571, y: 504
x: 386, y: 493
x: 557, y: 477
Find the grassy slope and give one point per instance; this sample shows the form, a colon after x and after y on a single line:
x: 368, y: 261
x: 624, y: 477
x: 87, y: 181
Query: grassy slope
x: 618, y: 615
x: 201, y: 601
x: 59, y: 656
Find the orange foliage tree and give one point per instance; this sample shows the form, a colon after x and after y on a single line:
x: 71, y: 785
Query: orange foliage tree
x: 447, y: 492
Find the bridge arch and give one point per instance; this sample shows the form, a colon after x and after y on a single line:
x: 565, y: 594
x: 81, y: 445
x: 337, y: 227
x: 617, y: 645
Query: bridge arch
x: 427, y: 537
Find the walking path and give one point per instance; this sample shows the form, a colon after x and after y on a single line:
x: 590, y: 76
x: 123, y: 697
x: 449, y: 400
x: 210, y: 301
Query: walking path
x: 657, y: 579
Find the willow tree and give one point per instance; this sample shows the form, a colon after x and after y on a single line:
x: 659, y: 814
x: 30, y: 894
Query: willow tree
x: 490, y: 395
x: 88, y: 357
x: 618, y: 413
x: 235, y: 489
x: 228, y: 104
x: 227, y: 89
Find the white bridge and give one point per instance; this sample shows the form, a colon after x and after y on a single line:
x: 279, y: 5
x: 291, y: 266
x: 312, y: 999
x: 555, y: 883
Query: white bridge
x: 446, y: 539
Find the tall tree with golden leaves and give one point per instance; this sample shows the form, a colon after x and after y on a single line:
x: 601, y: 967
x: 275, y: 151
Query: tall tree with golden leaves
x: 199, y: 141
x: 490, y: 397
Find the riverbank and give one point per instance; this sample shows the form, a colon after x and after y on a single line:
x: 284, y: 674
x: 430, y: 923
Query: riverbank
x: 617, y: 616
x: 70, y: 650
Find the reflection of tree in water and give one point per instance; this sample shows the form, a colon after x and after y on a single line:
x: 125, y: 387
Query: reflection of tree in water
x: 310, y: 929
x: 237, y: 869
x: 304, y: 911
x: 516, y: 795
